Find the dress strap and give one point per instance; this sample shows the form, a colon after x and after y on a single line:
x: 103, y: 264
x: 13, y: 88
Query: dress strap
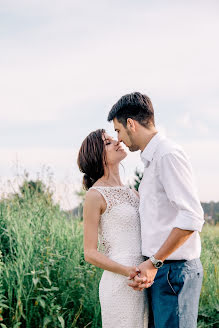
x: 104, y: 194
x: 116, y: 195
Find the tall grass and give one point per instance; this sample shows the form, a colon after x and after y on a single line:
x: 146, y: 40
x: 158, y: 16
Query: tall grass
x: 209, y: 301
x: 44, y: 280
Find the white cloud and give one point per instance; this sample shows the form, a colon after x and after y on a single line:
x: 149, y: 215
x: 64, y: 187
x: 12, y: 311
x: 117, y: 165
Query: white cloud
x: 156, y: 53
x: 36, y: 156
x: 192, y: 123
x: 59, y: 56
x: 186, y: 120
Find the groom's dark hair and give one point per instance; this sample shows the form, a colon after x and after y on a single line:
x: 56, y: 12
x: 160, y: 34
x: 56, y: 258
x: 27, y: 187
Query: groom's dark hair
x: 135, y: 106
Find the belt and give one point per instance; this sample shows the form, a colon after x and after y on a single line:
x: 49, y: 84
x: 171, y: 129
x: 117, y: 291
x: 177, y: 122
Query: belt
x: 168, y: 261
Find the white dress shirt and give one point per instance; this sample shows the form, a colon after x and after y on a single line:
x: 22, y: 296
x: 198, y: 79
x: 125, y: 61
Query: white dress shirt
x: 168, y: 199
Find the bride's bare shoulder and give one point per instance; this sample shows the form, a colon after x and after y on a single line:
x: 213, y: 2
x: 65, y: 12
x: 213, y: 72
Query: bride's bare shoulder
x: 94, y: 198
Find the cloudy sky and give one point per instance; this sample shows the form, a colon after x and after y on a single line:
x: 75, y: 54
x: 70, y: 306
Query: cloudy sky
x: 65, y: 63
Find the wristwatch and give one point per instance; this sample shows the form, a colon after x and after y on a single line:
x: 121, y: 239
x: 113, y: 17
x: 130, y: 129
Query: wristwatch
x: 156, y: 263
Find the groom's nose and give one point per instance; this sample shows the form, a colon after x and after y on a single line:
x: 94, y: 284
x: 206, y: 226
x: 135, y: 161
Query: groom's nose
x: 119, y: 139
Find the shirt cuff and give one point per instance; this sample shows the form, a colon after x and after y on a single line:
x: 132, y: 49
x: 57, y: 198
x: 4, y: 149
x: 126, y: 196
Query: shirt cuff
x: 186, y: 221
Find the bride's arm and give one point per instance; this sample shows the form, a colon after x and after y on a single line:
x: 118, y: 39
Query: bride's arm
x: 93, y: 207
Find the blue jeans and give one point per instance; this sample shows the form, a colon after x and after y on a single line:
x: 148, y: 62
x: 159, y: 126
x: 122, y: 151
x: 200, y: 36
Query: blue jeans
x: 174, y: 296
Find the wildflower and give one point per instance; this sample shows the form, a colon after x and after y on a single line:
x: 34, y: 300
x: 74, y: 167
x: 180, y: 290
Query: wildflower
x: 1, y: 319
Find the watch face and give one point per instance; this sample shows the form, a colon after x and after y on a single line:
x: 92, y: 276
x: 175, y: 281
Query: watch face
x: 159, y: 264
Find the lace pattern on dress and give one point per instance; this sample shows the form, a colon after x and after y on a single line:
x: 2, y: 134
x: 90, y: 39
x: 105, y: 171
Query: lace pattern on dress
x: 117, y: 195
x: 120, y: 217
x: 120, y: 237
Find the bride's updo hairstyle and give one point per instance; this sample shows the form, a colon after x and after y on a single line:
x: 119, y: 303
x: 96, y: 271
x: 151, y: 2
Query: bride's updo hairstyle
x: 92, y: 157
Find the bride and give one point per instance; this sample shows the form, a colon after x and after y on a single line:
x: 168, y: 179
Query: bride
x: 112, y: 239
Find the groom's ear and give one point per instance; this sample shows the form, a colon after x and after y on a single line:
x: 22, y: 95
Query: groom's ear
x: 131, y: 124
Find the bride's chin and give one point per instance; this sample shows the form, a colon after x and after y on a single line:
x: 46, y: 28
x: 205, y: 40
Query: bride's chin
x: 124, y: 155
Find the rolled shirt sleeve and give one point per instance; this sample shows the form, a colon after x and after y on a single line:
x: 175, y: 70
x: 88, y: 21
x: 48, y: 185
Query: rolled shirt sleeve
x: 176, y: 176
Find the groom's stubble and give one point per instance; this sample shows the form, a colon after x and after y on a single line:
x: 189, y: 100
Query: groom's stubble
x: 133, y: 146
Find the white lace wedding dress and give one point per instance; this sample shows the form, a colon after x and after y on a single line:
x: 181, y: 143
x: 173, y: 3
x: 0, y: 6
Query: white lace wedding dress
x: 120, y: 239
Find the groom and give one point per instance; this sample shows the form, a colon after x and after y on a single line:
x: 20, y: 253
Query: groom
x: 171, y: 217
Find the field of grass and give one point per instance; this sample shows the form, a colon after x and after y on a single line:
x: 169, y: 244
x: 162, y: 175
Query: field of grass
x: 209, y: 301
x: 44, y: 280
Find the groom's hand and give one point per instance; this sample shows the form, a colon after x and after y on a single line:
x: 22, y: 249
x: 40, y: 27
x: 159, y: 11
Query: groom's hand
x: 133, y: 273
x: 146, y: 277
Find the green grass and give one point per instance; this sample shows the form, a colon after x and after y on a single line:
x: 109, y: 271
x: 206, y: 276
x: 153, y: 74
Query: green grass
x: 44, y: 280
x: 209, y: 300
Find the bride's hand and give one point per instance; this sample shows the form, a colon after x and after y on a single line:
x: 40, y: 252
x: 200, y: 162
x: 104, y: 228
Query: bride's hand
x: 132, y: 272
x: 139, y: 283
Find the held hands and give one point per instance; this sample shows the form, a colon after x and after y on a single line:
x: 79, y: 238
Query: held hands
x: 142, y: 276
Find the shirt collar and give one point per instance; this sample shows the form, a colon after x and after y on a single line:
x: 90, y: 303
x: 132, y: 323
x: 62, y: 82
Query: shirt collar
x: 148, y: 153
